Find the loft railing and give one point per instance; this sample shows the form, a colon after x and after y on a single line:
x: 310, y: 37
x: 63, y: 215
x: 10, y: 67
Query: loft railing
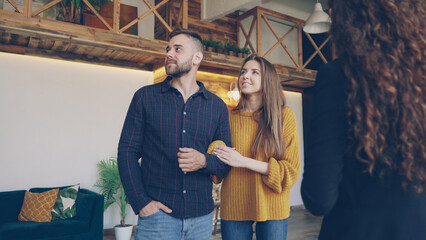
x: 26, y: 10
x: 261, y: 17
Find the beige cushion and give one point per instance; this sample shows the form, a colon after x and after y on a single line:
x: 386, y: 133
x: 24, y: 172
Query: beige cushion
x: 37, y: 207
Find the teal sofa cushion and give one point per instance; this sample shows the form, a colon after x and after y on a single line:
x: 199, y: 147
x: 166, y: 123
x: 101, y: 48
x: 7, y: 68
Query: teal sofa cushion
x: 10, y: 205
x: 35, y: 230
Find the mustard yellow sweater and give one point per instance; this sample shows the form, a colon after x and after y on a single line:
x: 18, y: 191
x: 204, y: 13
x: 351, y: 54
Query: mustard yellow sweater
x: 247, y: 195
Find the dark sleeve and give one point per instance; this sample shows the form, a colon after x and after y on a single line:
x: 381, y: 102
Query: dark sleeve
x: 214, y: 165
x: 326, y: 145
x: 129, y: 153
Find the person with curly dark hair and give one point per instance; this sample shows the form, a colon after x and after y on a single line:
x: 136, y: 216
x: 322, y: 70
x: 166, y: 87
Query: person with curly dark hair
x: 365, y: 164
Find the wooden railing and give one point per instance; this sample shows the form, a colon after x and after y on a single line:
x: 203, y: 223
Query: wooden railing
x: 182, y: 17
x: 260, y: 14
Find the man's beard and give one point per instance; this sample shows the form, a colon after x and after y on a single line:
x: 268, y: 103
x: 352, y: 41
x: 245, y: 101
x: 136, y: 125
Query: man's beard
x: 178, y: 70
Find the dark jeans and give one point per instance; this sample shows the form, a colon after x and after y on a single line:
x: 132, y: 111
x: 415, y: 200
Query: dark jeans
x: 268, y: 230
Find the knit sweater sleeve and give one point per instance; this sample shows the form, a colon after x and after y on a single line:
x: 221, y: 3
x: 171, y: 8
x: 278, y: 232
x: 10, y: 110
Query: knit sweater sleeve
x: 283, y: 173
x: 216, y: 179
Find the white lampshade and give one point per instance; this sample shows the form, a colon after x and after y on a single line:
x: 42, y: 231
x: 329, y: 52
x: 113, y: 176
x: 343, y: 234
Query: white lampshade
x: 233, y: 92
x: 318, y: 22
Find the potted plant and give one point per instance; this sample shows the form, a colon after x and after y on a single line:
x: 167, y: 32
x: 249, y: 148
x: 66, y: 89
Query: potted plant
x: 69, y: 11
x: 205, y: 44
x: 110, y: 186
x: 220, y: 47
x: 246, y: 52
x: 209, y: 45
x: 231, y: 48
x: 239, y: 52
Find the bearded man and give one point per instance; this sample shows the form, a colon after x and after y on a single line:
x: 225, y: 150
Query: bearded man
x: 169, y: 126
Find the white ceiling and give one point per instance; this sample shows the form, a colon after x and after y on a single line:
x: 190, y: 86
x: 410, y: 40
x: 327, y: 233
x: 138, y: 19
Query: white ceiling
x: 301, y: 5
x: 300, y: 8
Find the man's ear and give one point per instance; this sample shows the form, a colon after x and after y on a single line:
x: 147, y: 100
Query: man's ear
x: 198, y: 57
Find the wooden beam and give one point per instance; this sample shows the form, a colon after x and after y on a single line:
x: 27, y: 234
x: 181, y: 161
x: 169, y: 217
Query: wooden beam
x: 55, y: 30
x: 279, y: 15
x: 97, y: 14
x: 83, y: 59
x: 143, y: 15
x: 47, y: 6
x: 116, y: 17
x: 247, y: 36
x: 175, y: 16
x: 158, y: 15
x: 318, y: 49
x: 251, y: 12
x: 300, y: 45
x: 258, y: 32
x: 7, y: 37
x: 185, y: 14
x: 33, y: 42
x: 54, y: 39
x: 28, y: 8
x: 15, y: 6
x: 278, y: 38
x: 279, y: 41
x: 12, y: 48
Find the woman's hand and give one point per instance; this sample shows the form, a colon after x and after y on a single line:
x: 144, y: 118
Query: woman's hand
x: 229, y: 156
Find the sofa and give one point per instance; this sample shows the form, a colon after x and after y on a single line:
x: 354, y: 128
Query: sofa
x: 86, y: 225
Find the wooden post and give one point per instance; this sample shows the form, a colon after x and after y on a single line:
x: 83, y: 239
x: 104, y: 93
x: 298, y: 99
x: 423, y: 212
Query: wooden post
x: 299, y: 44
x: 259, y: 31
x: 116, y: 17
x: 185, y: 14
x: 28, y: 8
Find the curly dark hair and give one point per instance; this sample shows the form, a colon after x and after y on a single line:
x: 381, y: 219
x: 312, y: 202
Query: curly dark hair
x: 382, y: 47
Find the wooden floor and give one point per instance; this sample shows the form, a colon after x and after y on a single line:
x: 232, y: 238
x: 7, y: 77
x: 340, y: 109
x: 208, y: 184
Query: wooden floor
x: 301, y: 226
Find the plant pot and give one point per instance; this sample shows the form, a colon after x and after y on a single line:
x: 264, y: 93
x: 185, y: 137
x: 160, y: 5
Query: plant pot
x: 221, y: 50
x: 240, y: 55
x: 123, y: 232
x: 210, y: 49
x: 232, y: 53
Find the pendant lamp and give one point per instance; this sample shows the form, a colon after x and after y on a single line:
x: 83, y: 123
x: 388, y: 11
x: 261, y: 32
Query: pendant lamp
x: 318, y: 22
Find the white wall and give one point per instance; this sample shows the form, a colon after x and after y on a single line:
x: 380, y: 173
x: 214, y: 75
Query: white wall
x: 294, y: 101
x: 58, y: 119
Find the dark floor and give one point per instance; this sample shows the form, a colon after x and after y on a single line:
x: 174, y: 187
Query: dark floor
x: 301, y: 226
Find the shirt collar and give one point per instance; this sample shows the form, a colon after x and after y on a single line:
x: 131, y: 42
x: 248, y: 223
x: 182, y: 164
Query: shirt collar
x: 166, y: 86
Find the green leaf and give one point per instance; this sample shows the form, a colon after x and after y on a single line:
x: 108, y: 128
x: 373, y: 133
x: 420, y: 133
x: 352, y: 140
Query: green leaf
x: 109, y: 184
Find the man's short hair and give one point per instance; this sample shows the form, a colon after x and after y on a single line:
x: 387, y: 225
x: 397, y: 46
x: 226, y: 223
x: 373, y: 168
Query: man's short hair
x: 194, y: 36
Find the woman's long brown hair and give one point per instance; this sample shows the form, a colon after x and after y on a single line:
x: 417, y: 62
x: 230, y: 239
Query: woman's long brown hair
x: 382, y: 48
x: 269, y: 134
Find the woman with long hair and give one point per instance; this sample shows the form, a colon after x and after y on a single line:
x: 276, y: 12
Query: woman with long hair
x: 365, y: 167
x: 265, y: 157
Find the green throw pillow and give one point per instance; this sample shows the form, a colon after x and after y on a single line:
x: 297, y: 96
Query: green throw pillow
x: 64, y: 207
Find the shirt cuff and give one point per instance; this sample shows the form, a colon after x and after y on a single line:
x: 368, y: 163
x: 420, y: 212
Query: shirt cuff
x: 137, y: 206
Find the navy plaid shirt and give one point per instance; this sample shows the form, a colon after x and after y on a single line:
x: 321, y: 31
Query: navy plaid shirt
x: 158, y: 122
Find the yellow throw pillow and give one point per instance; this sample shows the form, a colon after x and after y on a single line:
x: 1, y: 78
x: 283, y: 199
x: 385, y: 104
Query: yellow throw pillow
x: 38, y: 207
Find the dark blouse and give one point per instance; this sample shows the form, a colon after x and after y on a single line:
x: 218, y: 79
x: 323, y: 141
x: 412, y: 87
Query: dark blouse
x: 355, y: 205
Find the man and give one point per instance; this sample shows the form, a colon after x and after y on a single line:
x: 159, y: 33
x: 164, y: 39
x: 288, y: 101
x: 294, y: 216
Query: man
x: 169, y: 126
